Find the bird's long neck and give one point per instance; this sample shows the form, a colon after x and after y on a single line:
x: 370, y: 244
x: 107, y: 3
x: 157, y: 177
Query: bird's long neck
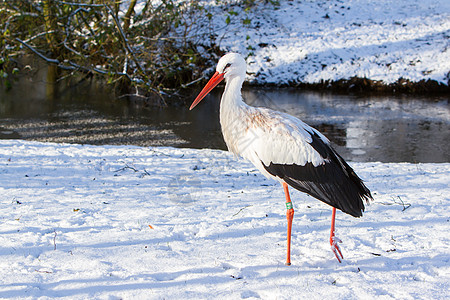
x: 232, y: 98
x: 233, y: 113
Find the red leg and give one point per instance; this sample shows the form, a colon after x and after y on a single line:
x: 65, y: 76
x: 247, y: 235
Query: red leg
x: 334, y: 240
x: 289, y: 217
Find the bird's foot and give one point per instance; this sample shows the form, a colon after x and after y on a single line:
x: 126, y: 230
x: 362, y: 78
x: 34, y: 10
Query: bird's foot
x: 335, y: 248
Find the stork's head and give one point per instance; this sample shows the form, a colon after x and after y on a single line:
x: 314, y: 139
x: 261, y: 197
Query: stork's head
x: 229, y: 66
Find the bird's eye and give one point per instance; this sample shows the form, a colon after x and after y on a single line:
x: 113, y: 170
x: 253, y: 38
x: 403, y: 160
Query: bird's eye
x: 226, y: 66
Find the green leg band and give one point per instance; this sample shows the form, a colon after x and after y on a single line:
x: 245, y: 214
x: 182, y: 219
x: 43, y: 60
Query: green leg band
x: 289, y: 205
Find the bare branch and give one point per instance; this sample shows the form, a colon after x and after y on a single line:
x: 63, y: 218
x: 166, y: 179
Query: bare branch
x: 91, y: 37
x: 81, y: 4
x: 73, y: 66
x: 127, y: 17
x: 192, y: 82
x: 37, y: 36
x: 49, y: 60
x: 127, y: 46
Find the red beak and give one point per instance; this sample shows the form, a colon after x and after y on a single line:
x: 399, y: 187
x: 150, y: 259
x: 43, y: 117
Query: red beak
x: 215, y: 80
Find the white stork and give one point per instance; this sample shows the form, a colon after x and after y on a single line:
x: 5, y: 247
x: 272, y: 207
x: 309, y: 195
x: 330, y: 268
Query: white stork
x: 284, y: 148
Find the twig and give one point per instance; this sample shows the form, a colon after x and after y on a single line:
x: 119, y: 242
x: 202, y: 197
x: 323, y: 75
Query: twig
x: 405, y: 205
x: 39, y: 35
x: 49, y: 60
x: 127, y: 17
x: 144, y: 173
x: 160, y: 153
x: 241, y: 210
x: 69, y: 20
x: 73, y: 66
x: 54, y: 240
x: 127, y: 167
x: 192, y: 82
x: 132, y: 95
x: 81, y: 4
x: 125, y: 41
x: 129, y: 50
x: 97, y: 70
x: 39, y: 271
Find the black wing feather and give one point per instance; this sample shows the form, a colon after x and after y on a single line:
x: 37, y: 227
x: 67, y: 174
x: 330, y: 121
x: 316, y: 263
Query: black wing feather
x: 333, y: 182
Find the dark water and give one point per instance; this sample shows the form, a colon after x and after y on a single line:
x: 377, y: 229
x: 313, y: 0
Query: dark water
x: 362, y: 128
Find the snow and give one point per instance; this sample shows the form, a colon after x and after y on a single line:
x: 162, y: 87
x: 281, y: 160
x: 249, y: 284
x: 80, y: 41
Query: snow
x: 113, y: 222
x: 311, y: 41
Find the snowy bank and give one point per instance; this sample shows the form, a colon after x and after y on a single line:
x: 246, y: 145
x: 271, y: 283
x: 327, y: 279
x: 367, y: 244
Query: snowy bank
x: 312, y: 41
x: 128, y: 222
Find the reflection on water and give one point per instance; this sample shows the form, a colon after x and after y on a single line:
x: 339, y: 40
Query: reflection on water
x: 387, y: 129
x: 371, y: 128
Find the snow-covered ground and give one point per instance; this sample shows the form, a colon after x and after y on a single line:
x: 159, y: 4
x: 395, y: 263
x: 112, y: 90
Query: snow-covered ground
x: 309, y: 41
x: 123, y: 222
